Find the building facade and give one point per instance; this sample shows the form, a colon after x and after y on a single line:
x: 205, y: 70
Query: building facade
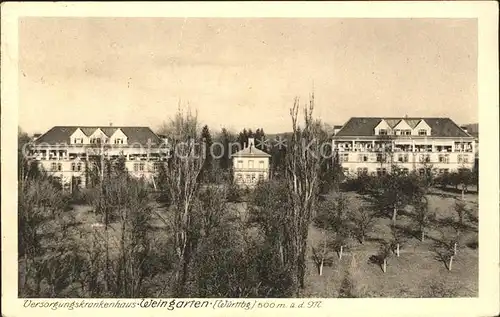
x: 368, y: 145
x: 68, y: 153
x: 250, y: 165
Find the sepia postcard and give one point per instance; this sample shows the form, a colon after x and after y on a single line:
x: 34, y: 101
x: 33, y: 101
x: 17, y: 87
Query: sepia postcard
x: 263, y: 158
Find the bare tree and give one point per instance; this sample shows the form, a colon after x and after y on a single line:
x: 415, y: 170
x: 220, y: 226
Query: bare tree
x: 398, y: 239
x: 332, y: 216
x: 462, y: 212
x: 384, y: 254
x: 423, y: 216
x: 321, y: 253
x: 182, y: 182
x: 362, y: 220
x: 303, y: 161
x: 446, y: 252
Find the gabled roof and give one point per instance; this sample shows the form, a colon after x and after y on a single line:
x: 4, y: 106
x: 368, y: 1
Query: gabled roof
x: 392, y: 122
x: 62, y: 134
x: 252, y: 152
x: 57, y: 135
x: 413, y: 122
x: 402, y: 122
x: 364, y: 126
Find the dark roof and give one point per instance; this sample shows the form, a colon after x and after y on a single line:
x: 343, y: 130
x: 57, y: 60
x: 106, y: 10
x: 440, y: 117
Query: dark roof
x: 365, y: 126
x: 251, y: 151
x: 62, y: 134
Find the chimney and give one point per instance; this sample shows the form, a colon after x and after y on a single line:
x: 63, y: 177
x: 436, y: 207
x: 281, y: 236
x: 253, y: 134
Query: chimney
x: 111, y: 124
x: 251, y: 142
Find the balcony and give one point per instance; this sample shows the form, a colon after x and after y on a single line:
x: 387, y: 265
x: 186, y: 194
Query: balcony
x: 399, y: 150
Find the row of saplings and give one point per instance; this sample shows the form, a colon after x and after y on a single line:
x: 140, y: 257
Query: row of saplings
x: 338, y: 225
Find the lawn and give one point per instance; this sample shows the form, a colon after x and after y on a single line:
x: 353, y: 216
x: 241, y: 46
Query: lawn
x: 418, y: 272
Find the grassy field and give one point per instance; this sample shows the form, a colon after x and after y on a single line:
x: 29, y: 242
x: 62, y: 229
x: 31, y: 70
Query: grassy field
x: 417, y: 272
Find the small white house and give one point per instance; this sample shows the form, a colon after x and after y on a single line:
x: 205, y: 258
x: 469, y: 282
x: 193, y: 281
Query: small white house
x: 250, y: 165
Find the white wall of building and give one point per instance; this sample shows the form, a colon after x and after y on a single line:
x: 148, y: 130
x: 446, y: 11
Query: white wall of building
x: 248, y: 170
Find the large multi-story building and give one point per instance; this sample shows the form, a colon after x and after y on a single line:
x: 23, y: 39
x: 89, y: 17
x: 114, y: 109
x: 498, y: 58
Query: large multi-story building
x: 67, y: 153
x: 374, y: 145
x: 250, y: 165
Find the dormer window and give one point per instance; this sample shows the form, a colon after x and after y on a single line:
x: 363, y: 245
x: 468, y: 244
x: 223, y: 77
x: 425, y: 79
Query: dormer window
x: 118, y: 141
x: 406, y: 132
x: 422, y: 132
x: 95, y: 140
x: 78, y: 140
x: 382, y: 132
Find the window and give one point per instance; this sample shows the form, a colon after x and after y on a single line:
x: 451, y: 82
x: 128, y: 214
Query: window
x: 459, y: 158
x: 397, y: 132
x: 250, y: 163
x: 344, y: 157
x: 78, y: 167
x: 425, y: 158
x: 53, y: 167
x: 73, y: 167
x: 253, y: 178
x: 403, y: 158
x: 59, y: 167
x: 363, y: 158
x: 422, y: 132
x: 407, y: 132
x: 240, y: 164
x: 248, y: 178
x: 95, y: 140
x: 78, y: 140
x: 444, y: 158
x: 421, y: 171
x: 239, y: 177
x: 156, y: 167
x: 465, y: 158
x: 382, y: 132
x: 118, y: 141
x: 362, y: 171
x: 381, y: 171
x: 261, y: 165
x: 139, y: 167
x: 379, y: 158
x: 261, y: 176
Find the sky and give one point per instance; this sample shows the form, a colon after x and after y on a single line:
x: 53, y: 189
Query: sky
x: 239, y: 73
